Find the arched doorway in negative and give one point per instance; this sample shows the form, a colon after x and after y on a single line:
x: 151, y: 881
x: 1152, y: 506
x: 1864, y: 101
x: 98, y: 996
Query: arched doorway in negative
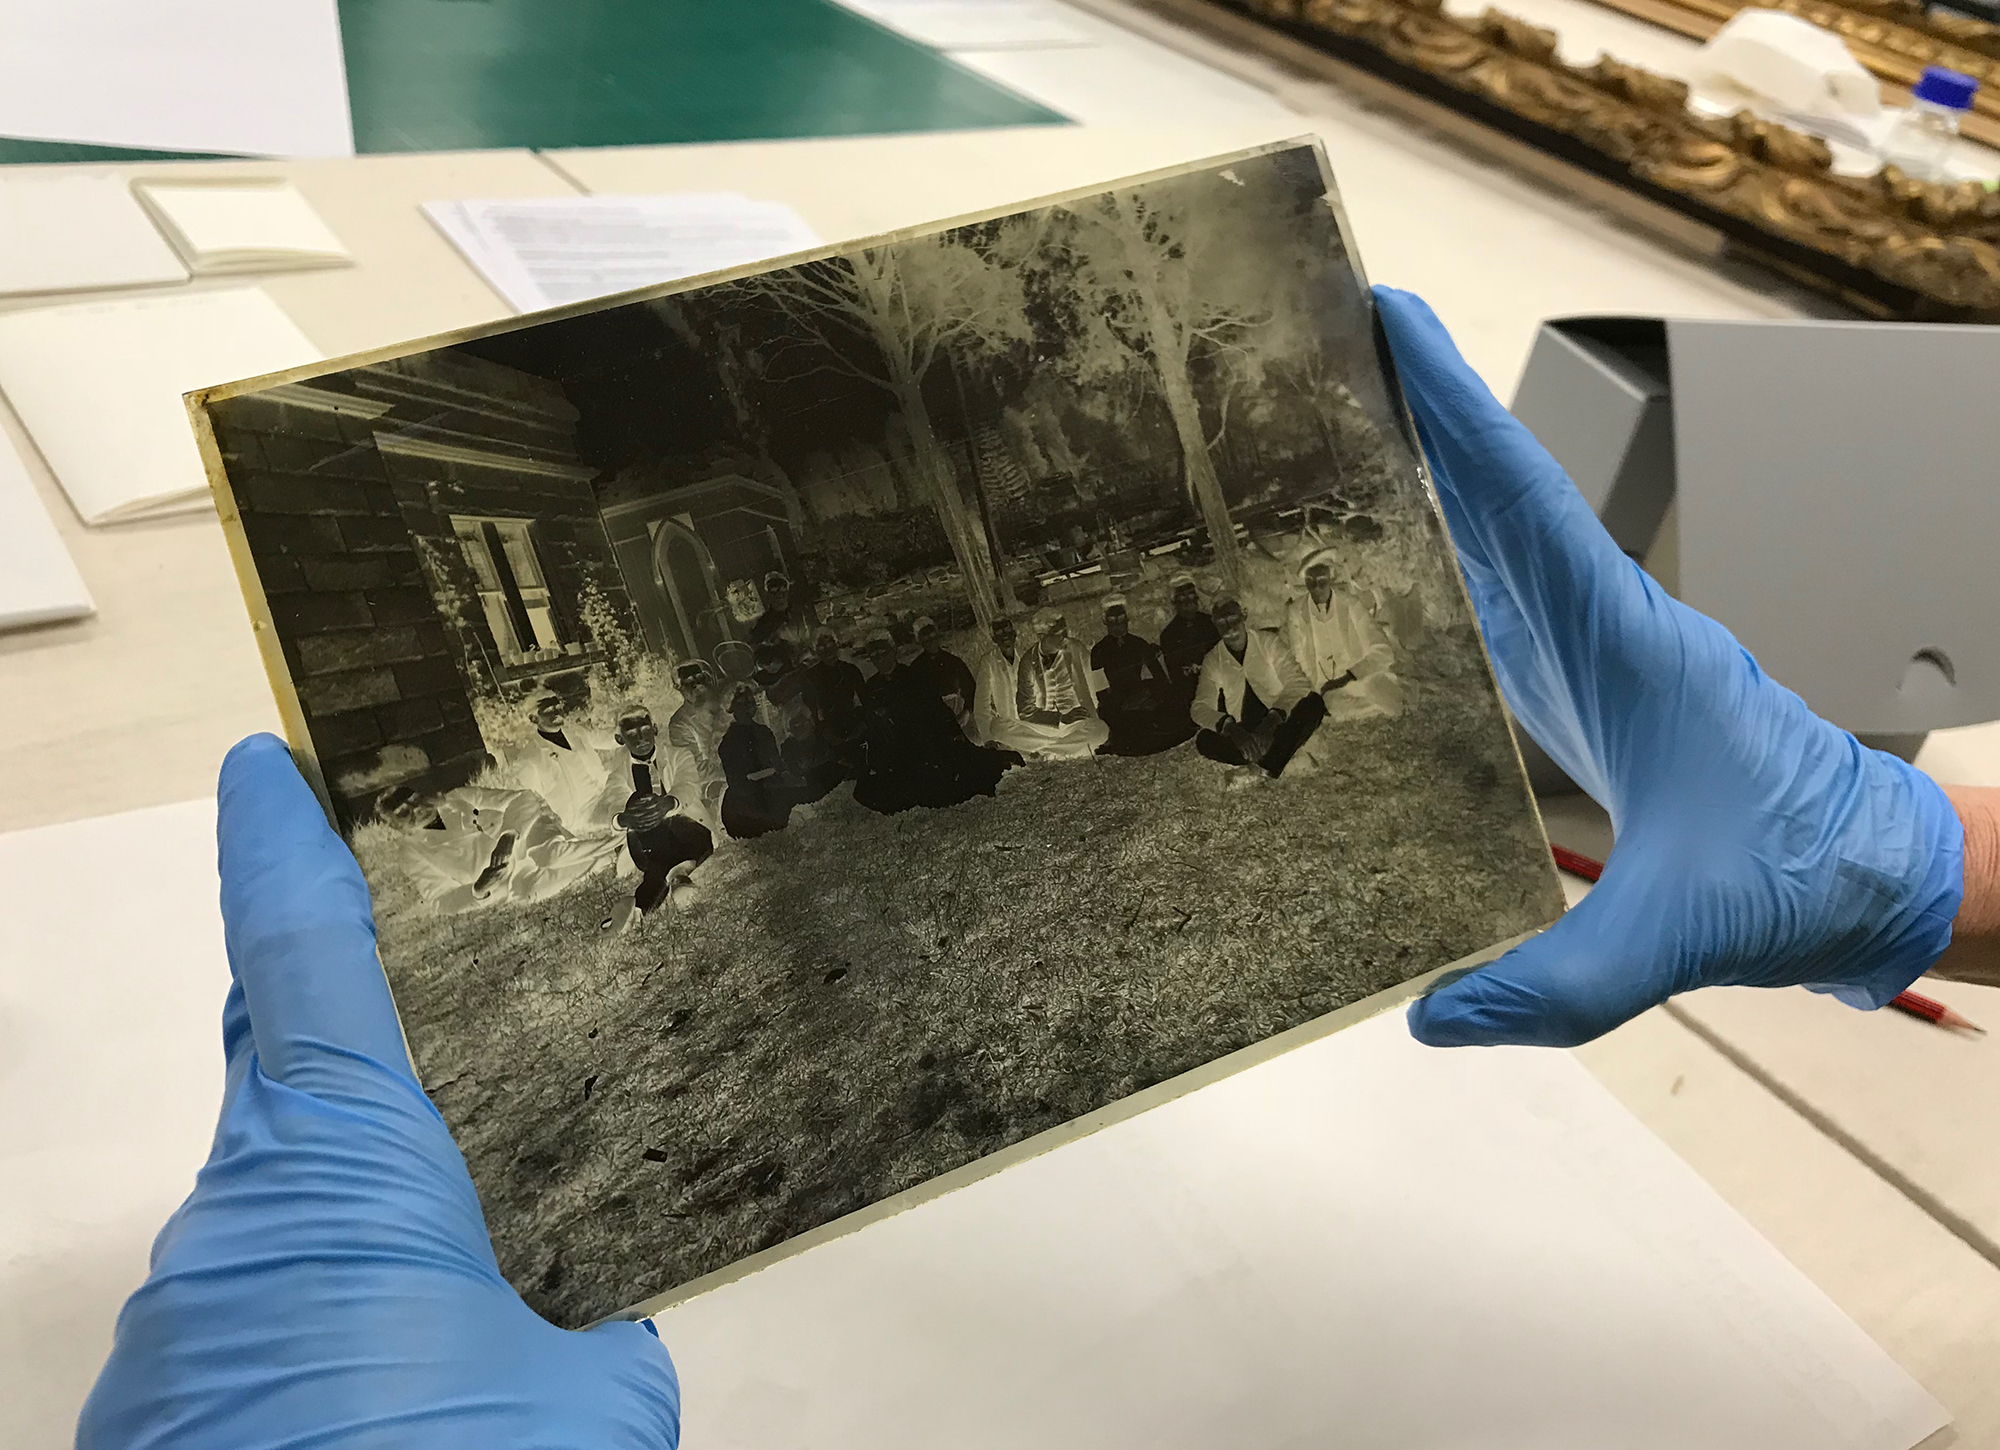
x: 686, y: 575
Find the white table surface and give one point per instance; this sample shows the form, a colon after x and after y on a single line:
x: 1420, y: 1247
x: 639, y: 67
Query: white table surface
x: 136, y: 707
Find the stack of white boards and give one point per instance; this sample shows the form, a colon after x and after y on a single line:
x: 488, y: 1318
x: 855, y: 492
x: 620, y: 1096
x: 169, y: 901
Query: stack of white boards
x: 78, y: 232
x: 98, y: 385
x: 69, y: 231
x: 38, y: 579
x: 254, y: 225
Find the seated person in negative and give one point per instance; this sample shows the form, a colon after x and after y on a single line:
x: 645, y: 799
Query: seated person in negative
x: 696, y: 728
x: 995, y: 711
x: 784, y: 621
x: 760, y: 798
x: 1342, y: 650
x: 567, y: 765
x: 665, y: 842
x: 810, y: 758
x: 916, y: 754
x: 942, y: 670
x: 476, y: 847
x: 1252, y: 702
x: 1139, y: 705
x: 831, y: 694
x: 1053, y: 695
x: 1187, y: 638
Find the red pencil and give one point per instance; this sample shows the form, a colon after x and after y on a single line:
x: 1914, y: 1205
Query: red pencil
x: 1936, y: 1012
x: 1914, y: 1003
x: 1575, y: 864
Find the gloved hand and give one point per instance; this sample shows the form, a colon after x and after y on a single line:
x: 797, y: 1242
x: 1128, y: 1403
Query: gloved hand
x: 1756, y: 843
x: 330, y: 1282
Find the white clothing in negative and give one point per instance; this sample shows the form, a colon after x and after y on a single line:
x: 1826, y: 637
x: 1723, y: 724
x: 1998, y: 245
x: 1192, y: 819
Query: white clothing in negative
x: 1061, y: 685
x: 443, y: 861
x: 993, y: 703
x: 571, y: 779
x: 1267, y: 667
x: 1073, y: 741
x: 1342, y: 637
x: 678, y: 772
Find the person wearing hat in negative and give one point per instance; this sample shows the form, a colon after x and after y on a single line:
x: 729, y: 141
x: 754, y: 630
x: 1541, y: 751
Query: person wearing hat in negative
x: 1254, y: 705
x: 664, y: 841
x: 696, y: 728
x: 1053, y: 695
x: 1342, y: 650
x: 915, y: 754
x: 1139, y: 704
x: 784, y: 620
x: 996, y: 708
x: 761, y: 795
x: 942, y: 670
x: 831, y: 693
x: 1187, y: 638
x: 895, y: 765
x: 567, y: 764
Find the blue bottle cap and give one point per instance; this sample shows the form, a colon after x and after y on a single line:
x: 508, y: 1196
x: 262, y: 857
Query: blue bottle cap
x: 1948, y: 88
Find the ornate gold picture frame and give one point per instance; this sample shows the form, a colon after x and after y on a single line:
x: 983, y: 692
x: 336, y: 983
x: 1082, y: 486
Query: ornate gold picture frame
x: 1894, y: 39
x: 1887, y: 245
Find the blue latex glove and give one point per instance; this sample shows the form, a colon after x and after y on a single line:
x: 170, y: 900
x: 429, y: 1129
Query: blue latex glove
x: 330, y: 1283
x: 1756, y: 843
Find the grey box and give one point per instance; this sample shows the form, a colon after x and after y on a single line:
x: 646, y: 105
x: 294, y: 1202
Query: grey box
x: 1826, y: 490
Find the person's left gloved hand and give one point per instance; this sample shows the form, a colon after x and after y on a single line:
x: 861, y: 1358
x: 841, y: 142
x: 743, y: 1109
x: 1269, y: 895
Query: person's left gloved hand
x: 330, y: 1281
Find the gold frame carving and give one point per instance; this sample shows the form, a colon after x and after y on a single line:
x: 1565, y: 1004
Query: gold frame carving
x: 1893, y: 39
x: 1936, y: 247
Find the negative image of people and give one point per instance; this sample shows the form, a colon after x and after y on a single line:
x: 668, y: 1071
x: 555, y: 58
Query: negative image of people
x: 808, y: 733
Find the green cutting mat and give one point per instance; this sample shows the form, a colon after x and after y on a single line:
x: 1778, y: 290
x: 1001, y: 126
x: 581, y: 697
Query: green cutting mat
x: 13, y: 149
x: 442, y: 75
x: 452, y: 75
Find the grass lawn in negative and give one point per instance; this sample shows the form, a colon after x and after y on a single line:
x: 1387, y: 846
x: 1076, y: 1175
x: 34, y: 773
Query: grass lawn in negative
x: 862, y: 1002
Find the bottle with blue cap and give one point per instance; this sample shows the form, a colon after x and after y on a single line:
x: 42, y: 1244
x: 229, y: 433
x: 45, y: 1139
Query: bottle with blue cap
x: 1920, y: 143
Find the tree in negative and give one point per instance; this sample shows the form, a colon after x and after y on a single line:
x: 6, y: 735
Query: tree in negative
x: 1172, y: 275
x: 887, y: 315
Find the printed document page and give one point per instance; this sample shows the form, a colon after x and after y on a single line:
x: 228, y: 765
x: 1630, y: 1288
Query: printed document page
x: 541, y: 253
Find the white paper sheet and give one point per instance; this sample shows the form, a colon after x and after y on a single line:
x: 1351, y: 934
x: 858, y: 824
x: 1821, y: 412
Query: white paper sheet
x: 241, y: 77
x: 549, y: 252
x: 1363, y: 1243
x: 98, y: 386
x: 38, y: 579
x: 976, y: 24
x: 67, y: 231
x: 246, y: 226
x: 111, y: 984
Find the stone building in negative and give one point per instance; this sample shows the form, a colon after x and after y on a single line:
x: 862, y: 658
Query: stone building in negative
x: 430, y: 543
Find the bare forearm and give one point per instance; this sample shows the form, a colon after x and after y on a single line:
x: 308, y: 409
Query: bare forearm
x: 1974, y: 953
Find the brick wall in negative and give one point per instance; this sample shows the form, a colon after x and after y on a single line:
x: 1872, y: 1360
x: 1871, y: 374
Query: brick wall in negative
x: 347, y: 487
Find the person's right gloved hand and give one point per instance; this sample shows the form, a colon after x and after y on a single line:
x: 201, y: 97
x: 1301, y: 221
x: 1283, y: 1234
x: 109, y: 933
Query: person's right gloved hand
x: 329, y: 1282
x: 1757, y: 844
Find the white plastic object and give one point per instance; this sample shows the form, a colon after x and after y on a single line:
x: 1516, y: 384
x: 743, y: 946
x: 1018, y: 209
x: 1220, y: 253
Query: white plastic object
x: 1786, y: 64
